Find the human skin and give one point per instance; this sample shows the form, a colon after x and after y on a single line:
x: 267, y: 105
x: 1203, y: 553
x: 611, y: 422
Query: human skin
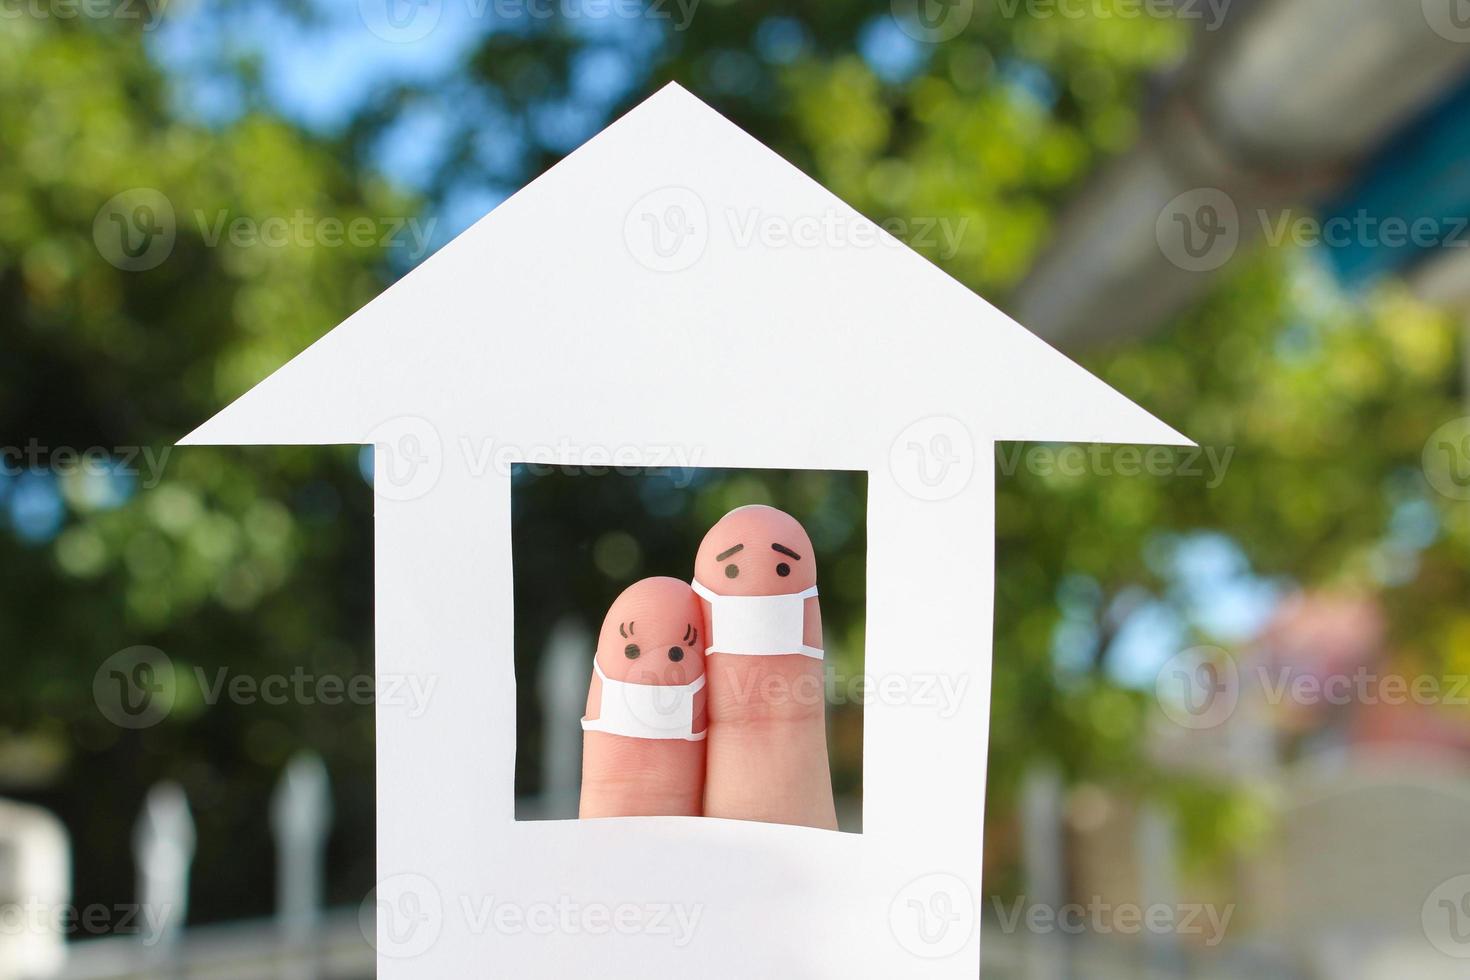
x: 767, y: 747
x: 765, y: 757
x: 654, y: 633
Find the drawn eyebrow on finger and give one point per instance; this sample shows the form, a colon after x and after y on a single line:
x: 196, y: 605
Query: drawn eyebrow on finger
x: 728, y: 552
x: 687, y: 630
x: 622, y: 631
x: 785, y: 551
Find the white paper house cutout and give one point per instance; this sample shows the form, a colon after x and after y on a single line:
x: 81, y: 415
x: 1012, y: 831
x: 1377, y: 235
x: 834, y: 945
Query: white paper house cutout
x: 619, y: 304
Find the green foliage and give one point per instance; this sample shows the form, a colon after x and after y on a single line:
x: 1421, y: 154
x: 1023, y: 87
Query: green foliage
x: 257, y: 561
x: 250, y: 561
x: 1323, y: 407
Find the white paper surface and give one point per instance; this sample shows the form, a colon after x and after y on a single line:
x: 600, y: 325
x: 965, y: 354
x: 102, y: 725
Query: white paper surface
x: 618, y: 309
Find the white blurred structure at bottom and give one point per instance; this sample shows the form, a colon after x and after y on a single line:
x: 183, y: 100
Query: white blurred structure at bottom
x: 35, y: 876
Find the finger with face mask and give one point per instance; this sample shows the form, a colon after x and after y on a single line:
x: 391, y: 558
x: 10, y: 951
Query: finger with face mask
x: 643, y: 742
x: 756, y: 576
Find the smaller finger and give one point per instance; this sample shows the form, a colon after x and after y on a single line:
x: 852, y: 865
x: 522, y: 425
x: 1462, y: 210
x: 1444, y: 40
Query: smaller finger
x: 643, y: 734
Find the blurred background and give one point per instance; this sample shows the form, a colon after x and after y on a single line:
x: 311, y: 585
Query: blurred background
x: 1230, y: 721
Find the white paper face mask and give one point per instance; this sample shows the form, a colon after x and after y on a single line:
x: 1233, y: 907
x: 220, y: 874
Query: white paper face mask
x: 758, y: 625
x: 645, y: 710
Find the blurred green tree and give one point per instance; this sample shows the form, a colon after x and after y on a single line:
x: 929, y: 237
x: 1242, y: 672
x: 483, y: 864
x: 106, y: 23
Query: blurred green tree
x: 253, y: 562
x: 241, y: 562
